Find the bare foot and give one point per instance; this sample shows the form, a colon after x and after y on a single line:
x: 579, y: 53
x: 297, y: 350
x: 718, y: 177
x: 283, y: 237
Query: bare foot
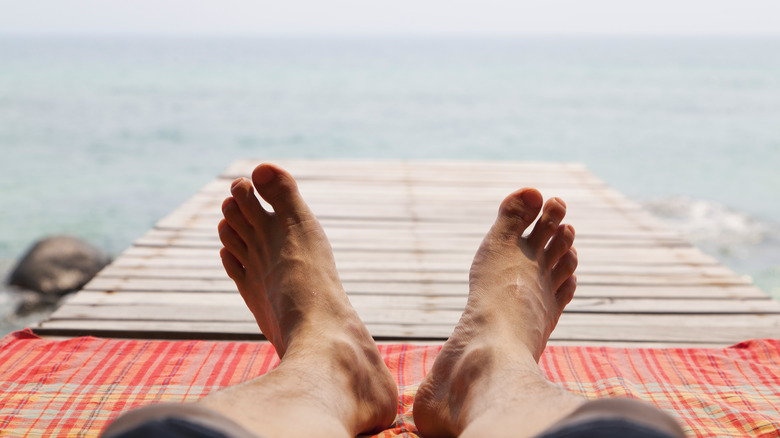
x: 283, y: 266
x: 487, y: 373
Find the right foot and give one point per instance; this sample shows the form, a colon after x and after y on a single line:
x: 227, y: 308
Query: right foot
x: 283, y: 266
x: 518, y: 287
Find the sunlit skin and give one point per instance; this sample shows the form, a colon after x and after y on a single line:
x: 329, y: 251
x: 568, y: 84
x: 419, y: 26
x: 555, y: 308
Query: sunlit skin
x: 486, y: 376
x: 332, y: 380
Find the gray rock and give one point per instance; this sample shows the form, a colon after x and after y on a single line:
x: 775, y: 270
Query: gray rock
x: 32, y: 302
x: 58, y: 265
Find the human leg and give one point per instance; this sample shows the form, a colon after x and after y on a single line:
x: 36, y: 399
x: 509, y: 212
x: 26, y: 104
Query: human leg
x: 332, y: 380
x: 486, y: 380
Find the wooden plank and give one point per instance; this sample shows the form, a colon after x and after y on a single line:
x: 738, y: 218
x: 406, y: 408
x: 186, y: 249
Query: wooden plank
x: 345, y: 231
x: 429, y: 211
x: 479, y: 200
x: 429, y: 169
x: 574, y: 327
x: 403, y: 241
x: 348, y: 230
x: 146, y: 269
x: 411, y: 278
x: 401, y: 237
x: 388, y: 240
x: 399, y: 308
x: 738, y: 292
x: 178, y: 279
x: 422, y: 228
x: 630, y: 255
x: 582, y: 204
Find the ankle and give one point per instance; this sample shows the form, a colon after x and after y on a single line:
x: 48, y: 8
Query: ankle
x: 340, y: 363
x: 507, y: 336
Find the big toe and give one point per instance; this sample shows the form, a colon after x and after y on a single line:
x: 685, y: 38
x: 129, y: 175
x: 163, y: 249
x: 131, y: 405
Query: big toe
x: 279, y: 189
x: 518, y: 211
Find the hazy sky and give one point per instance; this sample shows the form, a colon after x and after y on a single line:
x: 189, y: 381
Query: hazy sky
x: 338, y: 17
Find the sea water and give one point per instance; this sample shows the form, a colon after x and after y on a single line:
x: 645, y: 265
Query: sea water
x: 100, y: 137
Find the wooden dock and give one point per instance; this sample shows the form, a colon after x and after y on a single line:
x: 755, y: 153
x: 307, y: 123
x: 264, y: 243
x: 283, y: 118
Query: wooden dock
x: 404, y: 234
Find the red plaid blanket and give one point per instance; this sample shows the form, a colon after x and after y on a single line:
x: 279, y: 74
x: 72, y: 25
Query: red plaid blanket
x: 75, y: 387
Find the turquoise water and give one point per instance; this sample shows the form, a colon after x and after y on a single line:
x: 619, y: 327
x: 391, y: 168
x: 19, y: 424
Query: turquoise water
x: 102, y: 137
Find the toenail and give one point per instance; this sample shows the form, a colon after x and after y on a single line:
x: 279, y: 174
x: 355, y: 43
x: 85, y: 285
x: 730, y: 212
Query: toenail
x: 530, y: 199
x: 235, y: 184
x: 560, y: 201
x: 263, y: 174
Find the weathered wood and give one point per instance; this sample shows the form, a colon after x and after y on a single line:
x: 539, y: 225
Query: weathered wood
x: 427, y: 212
x: 349, y: 230
x: 402, y: 309
x: 360, y: 250
x: 733, y: 292
x: 690, y: 329
x: 347, y: 233
x: 403, y: 235
x: 208, y: 285
x: 145, y: 268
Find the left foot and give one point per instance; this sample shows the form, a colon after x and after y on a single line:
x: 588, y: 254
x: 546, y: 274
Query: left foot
x: 486, y: 374
x: 283, y: 266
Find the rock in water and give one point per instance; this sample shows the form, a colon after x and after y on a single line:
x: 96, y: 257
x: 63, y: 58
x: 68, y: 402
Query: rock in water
x: 58, y: 265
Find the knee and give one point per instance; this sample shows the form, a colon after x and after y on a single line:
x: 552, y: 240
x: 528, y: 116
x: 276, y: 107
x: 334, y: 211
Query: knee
x: 628, y: 410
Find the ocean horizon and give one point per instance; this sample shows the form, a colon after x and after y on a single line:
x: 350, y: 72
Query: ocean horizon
x: 103, y: 136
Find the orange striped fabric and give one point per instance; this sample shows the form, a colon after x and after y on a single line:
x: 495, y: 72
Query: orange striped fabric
x: 75, y: 387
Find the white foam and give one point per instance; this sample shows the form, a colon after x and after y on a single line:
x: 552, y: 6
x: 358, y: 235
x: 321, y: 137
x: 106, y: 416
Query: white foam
x: 714, y: 226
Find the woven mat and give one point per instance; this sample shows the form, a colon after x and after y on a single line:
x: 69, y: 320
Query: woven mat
x: 74, y: 387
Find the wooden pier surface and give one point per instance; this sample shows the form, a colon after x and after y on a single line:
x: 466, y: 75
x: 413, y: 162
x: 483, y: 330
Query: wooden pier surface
x: 404, y: 234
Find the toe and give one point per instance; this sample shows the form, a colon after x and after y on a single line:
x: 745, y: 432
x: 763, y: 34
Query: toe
x: 552, y: 215
x: 563, y: 269
x: 518, y: 211
x: 247, y: 202
x: 232, y: 241
x: 279, y: 188
x: 234, y: 268
x: 566, y: 292
x: 236, y: 219
x: 559, y: 245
